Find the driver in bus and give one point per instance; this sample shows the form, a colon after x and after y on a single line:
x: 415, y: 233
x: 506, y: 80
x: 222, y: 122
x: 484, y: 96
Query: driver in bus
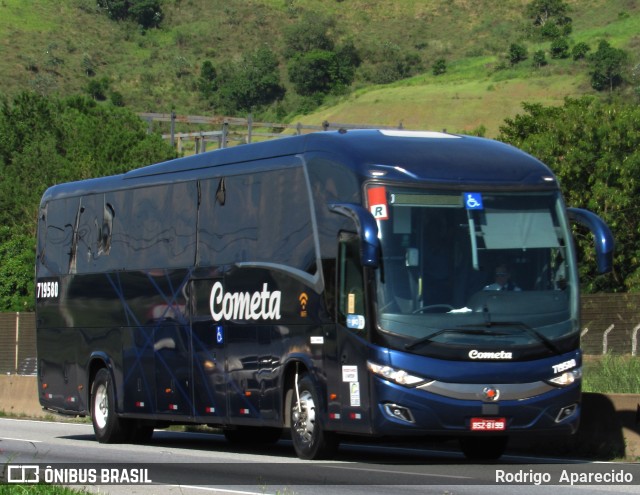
x: 502, y: 280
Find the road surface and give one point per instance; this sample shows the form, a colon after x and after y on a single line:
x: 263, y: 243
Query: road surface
x: 201, y: 463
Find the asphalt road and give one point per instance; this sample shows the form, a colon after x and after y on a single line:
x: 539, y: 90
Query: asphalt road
x: 196, y: 463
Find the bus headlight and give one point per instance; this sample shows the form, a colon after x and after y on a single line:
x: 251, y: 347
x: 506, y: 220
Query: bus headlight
x: 400, y: 377
x: 567, y: 378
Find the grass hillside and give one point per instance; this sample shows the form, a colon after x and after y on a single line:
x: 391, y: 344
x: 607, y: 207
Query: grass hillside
x: 59, y: 46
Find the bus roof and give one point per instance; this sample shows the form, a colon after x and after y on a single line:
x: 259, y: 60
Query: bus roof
x: 399, y: 155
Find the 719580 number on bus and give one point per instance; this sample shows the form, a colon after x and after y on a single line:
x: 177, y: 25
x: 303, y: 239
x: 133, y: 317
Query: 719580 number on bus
x: 47, y: 289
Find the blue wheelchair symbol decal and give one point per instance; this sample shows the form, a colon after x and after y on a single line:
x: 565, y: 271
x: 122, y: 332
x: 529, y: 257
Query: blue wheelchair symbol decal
x: 219, y: 334
x: 473, y: 201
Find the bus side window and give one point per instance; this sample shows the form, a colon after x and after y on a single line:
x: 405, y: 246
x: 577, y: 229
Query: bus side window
x: 350, y: 279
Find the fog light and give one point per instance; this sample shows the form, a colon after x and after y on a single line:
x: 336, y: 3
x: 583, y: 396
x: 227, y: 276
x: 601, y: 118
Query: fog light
x: 399, y: 412
x: 566, y: 412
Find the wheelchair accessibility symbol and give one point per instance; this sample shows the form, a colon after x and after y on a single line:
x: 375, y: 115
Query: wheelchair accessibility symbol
x: 473, y: 201
x: 219, y: 334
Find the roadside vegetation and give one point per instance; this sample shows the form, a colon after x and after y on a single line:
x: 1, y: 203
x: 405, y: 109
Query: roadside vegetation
x: 611, y: 374
x: 39, y: 490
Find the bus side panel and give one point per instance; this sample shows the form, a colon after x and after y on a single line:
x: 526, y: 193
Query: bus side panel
x: 58, y: 370
x: 154, y: 349
x: 256, y: 354
x: 172, y: 364
x: 257, y: 350
x: 139, y: 381
x: 209, y: 354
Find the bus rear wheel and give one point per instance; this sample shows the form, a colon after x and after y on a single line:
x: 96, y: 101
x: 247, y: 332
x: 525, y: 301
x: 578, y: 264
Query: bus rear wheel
x: 310, y: 439
x: 107, y: 426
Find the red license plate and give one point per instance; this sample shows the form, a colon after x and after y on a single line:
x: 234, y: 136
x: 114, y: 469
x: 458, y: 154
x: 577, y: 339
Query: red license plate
x: 488, y: 424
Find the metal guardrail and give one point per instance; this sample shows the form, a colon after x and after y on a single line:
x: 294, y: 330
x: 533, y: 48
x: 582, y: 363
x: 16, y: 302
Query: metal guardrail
x: 239, y: 129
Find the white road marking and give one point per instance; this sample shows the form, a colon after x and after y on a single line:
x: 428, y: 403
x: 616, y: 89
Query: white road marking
x: 20, y: 440
x: 217, y: 490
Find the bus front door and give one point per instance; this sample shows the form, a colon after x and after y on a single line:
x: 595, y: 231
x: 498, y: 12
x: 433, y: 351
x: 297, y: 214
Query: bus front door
x: 351, y: 337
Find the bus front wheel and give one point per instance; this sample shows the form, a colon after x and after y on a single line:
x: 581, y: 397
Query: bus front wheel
x: 310, y: 439
x: 107, y: 426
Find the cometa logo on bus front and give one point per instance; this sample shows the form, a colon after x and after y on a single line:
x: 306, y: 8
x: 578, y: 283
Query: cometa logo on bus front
x: 475, y: 354
x: 263, y: 305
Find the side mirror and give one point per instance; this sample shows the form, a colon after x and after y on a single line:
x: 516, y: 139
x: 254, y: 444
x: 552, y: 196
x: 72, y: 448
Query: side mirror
x: 604, y: 242
x: 367, y: 229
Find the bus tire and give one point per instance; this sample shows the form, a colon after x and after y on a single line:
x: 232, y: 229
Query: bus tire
x: 139, y: 432
x: 107, y: 426
x: 483, y: 448
x: 310, y: 439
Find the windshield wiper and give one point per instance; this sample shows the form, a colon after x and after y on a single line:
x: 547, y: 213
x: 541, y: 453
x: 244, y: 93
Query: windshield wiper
x: 466, y: 331
x: 531, y: 331
x: 520, y: 326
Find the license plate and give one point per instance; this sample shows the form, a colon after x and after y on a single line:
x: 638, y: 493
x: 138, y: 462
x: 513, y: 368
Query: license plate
x: 488, y: 424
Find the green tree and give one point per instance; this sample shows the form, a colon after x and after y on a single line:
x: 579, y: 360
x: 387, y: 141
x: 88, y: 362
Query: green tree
x: 21, y: 120
x: 250, y: 84
x: 17, y: 259
x: 313, y: 72
x: 208, y: 80
x: 559, y: 48
x: 539, y: 58
x: 348, y: 60
x: 115, y: 9
x: 98, y: 88
x: 310, y: 33
x: 116, y: 98
x: 544, y: 11
x: 594, y: 149
x: 439, y: 67
x: 608, y: 64
x: 146, y: 13
x: 550, y: 18
x: 517, y: 53
x: 315, y: 63
x: 44, y: 141
x: 390, y: 62
x: 580, y: 50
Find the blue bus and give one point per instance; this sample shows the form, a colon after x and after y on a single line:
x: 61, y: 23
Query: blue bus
x: 353, y: 283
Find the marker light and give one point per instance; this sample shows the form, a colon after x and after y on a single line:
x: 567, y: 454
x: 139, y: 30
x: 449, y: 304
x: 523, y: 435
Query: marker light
x: 567, y: 378
x: 400, y: 377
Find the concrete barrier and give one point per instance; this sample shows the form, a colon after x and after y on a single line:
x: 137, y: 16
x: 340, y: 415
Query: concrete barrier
x: 19, y: 396
x: 610, y: 426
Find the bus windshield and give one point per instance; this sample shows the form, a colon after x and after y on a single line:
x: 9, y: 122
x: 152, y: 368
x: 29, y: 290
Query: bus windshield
x: 480, y: 269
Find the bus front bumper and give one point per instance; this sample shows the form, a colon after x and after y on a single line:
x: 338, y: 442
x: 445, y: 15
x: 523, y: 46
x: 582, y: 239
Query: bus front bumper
x: 470, y: 409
